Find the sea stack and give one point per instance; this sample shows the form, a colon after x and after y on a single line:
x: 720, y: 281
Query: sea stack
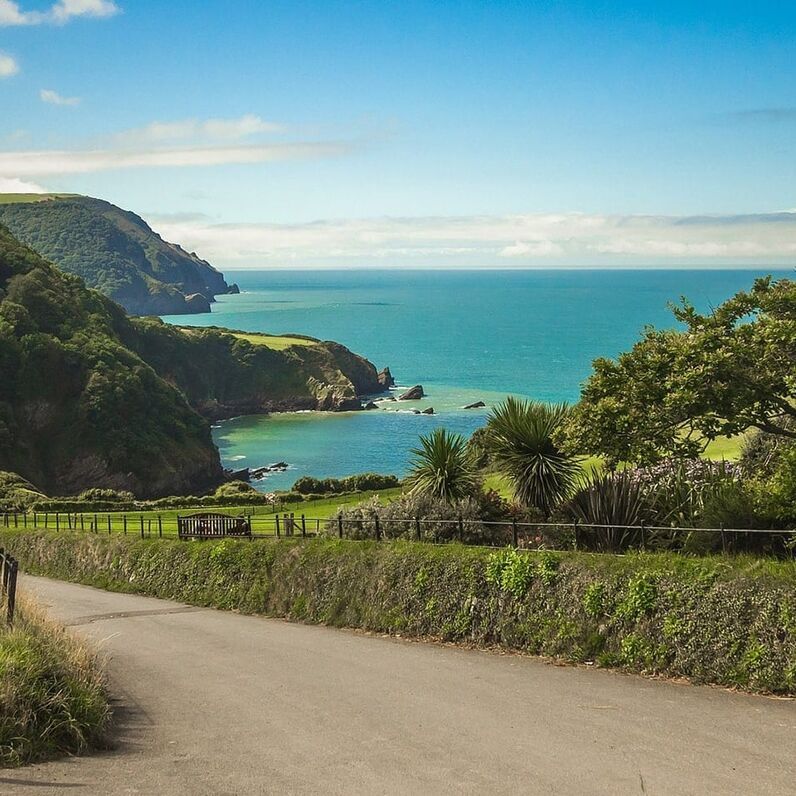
x: 385, y: 378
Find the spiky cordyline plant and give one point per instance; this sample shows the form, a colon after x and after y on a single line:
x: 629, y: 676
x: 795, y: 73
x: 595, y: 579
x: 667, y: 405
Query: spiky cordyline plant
x: 442, y: 467
x: 611, y: 502
x: 520, y: 435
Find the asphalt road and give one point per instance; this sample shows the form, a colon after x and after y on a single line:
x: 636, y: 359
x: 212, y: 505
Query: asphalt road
x: 209, y: 702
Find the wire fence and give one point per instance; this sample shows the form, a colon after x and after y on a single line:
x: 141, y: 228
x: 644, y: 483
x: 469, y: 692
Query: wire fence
x: 494, y: 533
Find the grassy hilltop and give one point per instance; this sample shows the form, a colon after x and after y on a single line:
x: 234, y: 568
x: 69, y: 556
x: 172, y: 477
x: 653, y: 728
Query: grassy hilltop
x: 114, y: 251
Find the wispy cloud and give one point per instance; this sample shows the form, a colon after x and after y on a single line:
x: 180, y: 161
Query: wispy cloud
x: 8, y: 65
x: 568, y: 239
x: 61, y: 12
x: 235, y: 129
x: 54, y: 98
x: 13, y: 185
x: 53, y: 162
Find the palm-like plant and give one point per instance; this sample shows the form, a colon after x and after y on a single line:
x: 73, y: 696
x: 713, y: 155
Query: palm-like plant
x: 442, y: 467
x: 520, y: 435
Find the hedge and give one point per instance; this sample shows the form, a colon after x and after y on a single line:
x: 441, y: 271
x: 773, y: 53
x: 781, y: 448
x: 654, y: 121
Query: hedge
x: 727, y: 621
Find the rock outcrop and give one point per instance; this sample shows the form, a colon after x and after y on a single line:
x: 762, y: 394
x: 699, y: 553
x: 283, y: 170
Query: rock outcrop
x: 428, y: 411
x: 476, y: 405
x: 412, y: 394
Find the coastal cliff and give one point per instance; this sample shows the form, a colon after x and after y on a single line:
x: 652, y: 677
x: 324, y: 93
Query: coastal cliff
x: 116, y: 252
x: 90, y: 397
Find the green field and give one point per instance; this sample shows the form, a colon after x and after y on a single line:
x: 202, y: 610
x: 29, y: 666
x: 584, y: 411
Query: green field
x: 157, y: 521
x: 27, y: 198
x: 277, y: 342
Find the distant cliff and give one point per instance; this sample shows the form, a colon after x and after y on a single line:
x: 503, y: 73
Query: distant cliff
x: 90, y: 397
x: 116, y: 252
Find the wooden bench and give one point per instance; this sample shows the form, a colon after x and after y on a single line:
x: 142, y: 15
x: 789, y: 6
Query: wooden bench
x: 212, y: 526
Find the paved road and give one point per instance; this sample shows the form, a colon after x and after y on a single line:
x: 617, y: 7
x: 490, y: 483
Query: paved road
x: 216, y: 703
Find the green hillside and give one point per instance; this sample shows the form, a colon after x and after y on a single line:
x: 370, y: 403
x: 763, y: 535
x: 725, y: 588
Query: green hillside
x: 92, y: 398
x: 114, y: 251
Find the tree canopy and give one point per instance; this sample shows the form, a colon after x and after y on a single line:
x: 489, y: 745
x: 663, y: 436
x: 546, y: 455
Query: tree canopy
x: 727, y: 371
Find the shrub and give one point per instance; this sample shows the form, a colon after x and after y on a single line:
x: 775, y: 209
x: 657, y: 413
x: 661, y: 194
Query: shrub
x: 439, y: 520
x: 364, y: 482
x: 613, y: 501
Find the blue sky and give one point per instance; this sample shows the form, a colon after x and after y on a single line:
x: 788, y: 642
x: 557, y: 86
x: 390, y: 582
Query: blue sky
x: 416, y: 133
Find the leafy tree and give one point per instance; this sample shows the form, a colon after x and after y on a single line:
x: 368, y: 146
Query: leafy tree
x: 521, y: 439
x: 442, y: 467
x: 729, y: 370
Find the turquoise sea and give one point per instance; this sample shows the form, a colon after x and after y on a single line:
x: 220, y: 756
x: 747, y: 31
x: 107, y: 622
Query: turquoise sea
x: 464, y: 335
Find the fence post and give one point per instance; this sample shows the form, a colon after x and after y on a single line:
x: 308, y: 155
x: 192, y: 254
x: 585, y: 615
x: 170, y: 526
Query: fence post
x: 514, y: 538
x: 417, y: 529
x: 25, y: 519
x: 643, y: 537
x: 160, y: 526
x: 461, y: 529
x: 124, y: 519
x: 378, y: 527
x: 11, y: 595
x: 16, y: 520
x: 276, y: 518
x: 109, y: 524
x: 142, y: 525
x: 575, y: 530
x: 340, y: 526
x: 303, y: 527
x: 723, y: 539
x: 57, y: 522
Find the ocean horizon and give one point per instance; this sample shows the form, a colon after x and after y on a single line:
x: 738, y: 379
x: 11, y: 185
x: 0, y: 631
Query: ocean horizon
x: 466, y: 335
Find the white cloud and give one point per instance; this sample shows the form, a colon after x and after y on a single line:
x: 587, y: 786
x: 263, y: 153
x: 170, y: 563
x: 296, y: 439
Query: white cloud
x: 570, y: 239
x: 11, y: 14
x: 14, y: 185
x: 532, y: 248
x: 37, y: 163
x: 54, y: 98
x: 198, y: 129
x: 64, y: 10
x: 8, y: 66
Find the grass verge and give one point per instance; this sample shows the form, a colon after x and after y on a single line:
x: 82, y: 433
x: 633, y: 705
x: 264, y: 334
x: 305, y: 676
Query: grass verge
x: 52, y: 696
x: 730, y: 622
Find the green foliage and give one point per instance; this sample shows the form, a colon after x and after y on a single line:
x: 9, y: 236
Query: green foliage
x: 364, y: 482
x: 726, y: 621
x: 439, y: 519
x: 728, y: 371
x: 113, y: 251
x: 442, y: 467
x: 53, y: 699
x: 520, y: 436
x: 611, y: 500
